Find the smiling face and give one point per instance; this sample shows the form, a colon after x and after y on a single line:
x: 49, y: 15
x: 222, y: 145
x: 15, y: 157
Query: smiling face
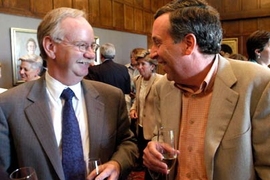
x: 27, y: 72
x: 67, y: 63
x: 169, y: 54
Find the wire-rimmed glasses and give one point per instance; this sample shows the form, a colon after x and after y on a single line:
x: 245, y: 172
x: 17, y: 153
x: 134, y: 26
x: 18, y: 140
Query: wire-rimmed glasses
x: 81, y: 45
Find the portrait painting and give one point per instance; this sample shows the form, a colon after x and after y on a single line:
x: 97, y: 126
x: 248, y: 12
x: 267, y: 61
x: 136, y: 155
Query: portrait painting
x: 23, y: 42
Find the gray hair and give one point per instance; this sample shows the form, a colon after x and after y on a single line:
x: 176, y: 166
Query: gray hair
x: 107, y: 50
x: 51, y: 25
x: 35, y: 60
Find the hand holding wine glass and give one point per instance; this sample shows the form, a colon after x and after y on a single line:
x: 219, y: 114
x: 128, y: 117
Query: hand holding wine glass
x: 24, y: 173
x: 166, y: 138
x: 93, y: 165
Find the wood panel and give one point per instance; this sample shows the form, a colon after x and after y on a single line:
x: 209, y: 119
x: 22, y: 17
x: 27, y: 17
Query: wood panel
x: 249, y: 5
x: 138, y: 19
x: 80, y: 4
x: 156, y: 4
x: 118, y: 15
x: 106, y: 18
x: 148, y: 22
x: 264, y: 23
x: 62, y: 3
x: 129, y: 17
x: 248, y: 26
x: 41, y: 7
x: 17, y: 7
x: 147, y: 5
x: 138, y: 3
x: 128, y: 2
x: 265, y: 4
x: 17, y: 4
x: 231, y: 28
x: 231, y: 6
x: 94, y: 16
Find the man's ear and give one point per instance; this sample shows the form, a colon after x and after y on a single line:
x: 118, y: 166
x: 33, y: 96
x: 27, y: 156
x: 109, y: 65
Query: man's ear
x: 49, y: 47
x: 190, y: 41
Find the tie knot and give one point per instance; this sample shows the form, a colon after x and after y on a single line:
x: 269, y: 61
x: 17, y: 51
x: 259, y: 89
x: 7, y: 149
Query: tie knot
x: 67, y: 94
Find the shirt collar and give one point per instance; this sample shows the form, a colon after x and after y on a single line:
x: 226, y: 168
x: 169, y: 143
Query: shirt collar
x: 208, y: 82
x: 55, y: 88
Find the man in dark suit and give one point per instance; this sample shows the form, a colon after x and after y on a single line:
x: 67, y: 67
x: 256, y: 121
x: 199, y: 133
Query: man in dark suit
x: 110, y: 72
x: 31, y: 114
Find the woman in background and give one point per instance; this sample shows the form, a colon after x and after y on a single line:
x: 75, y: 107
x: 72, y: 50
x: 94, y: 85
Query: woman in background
x: 258, y: 47
x: 142, y: 108
x: 31, y: 67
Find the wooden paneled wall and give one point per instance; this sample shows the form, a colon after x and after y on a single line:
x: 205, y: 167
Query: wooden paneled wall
x: 239, y: 17
x: 242, y: 17
x: 134, y: 16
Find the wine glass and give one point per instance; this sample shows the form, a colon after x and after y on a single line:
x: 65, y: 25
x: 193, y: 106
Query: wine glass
x: 93, y: 165
x: 24, y: 173
x: 166, y: 138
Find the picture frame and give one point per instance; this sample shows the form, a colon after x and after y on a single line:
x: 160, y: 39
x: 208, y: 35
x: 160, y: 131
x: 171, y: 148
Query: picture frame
x: 232, y: 42
x: 21, y: 39
x: 97, y: 58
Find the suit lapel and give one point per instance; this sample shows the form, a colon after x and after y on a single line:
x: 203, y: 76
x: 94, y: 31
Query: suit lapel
x: 38, y: 114
x: 95, y: 113
x: 171, y: 102
x: 222, y: 106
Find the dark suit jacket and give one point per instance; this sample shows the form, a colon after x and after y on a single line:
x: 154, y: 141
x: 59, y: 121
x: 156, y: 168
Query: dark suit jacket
x: 27, y: 136
x: 111, y: 73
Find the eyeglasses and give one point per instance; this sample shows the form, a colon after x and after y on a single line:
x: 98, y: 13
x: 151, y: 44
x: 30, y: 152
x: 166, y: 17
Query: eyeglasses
x: 81, y: 45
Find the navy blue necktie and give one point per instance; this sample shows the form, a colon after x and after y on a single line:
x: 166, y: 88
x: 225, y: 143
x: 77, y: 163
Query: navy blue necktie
x: 72, y: 151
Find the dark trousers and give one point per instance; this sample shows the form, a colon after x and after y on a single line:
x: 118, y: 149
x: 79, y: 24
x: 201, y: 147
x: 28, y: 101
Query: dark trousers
x: 142, y: 143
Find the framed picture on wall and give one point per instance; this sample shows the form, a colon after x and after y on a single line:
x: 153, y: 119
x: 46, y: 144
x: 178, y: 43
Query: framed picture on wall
x: 232, y: 42
x: 97, y: 58
x: 23, y: 42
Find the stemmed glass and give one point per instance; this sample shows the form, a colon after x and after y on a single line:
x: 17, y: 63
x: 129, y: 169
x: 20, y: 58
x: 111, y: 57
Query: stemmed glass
x: 166, y: 138
x: 93, y: 165
x: 24, y: 173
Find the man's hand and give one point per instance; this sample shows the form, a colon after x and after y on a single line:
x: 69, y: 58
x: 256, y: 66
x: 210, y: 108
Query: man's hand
x: 152, y: 158
x: 110, y: 170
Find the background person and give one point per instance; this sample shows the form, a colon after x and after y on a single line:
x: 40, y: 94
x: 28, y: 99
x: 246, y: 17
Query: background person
x: 31, y: 114
x: 220, y: 115
x: 238, y: 57
x: 30, y: 68
x: 142, y: 108
x: 108, y: 71
x: 258, y: 47
x: 133, y: 72
x: 225, y: 50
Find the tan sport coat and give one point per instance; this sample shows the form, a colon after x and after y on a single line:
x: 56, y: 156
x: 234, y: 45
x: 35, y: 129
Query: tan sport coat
x: 149, y: 118
x: 237, y: 139
x: 27, y: 136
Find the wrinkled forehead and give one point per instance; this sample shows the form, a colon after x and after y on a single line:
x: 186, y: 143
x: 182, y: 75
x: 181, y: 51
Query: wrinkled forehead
x: 78, y: 29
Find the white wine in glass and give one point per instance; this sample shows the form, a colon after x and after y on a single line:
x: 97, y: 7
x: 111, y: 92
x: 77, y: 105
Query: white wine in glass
x: 166, y: 138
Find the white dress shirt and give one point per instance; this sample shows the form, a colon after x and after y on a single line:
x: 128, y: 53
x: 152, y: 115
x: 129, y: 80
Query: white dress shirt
x: 54, y: 89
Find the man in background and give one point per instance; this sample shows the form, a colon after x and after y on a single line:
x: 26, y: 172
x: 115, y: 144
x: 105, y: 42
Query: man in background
x: 226, y: 50
x: 108, y: 71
